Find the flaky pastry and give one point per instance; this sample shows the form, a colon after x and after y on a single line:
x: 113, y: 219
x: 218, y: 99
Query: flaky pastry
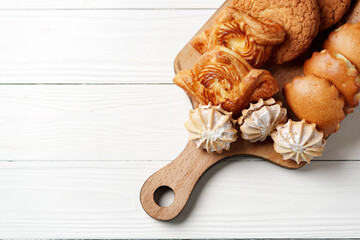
x: 223, y: 77
x: 249, y: 37
x: 211, y: 128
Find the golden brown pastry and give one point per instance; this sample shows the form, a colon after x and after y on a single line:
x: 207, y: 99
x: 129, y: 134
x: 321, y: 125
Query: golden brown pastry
x: 299, y: 18
x: 339, y: 71
x: 221, y: 76
x: 200, y: 41
x: 239, y: 31
x: 317, y: 101
x: 346, y: 41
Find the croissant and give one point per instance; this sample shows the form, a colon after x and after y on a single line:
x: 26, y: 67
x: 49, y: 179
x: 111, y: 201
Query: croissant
x: 223, y: 77
x: 242, y: 33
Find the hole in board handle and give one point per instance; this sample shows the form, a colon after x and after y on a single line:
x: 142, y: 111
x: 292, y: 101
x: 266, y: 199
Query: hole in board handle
x: 164, y: 196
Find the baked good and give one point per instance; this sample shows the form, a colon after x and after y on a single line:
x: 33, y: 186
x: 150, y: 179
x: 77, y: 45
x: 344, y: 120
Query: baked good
x: 346, y: 41
x: 339, y: 71
x: 317, y: 101
x: 299, y: 18
x: 331, y: 11
x: 223, y: 77
x: 200, y: 41
x: 352, y: 15
x: 211, y: 128
x: 260, y: 119
x: 299, y: 141
x: 239, y: 31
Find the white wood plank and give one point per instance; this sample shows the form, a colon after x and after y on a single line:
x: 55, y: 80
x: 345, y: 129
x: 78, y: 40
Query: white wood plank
x: 94, y: 46
x: 107, y: 4
x: 112, y: 122
x: 235, y: 199
x: 93, y: 122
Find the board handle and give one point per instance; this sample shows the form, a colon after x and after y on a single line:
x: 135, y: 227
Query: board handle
x: 180, y: 176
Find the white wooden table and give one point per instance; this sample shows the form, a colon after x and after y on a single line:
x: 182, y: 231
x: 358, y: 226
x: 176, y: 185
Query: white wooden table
x: 88, y: 111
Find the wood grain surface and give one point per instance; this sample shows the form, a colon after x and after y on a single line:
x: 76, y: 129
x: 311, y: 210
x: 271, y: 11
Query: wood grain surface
x: 240, y: 198
x: 80, y: 104
x: 107, y: 122
x: 109, y: 4
x: 182, y: 174
x: 106, y: 46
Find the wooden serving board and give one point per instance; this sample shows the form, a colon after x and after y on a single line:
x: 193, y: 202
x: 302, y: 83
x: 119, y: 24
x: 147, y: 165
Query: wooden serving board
x: 182, y: 174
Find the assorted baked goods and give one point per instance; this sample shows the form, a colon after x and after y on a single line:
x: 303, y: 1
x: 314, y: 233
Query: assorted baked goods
x: 226, y: 83
x: 337, y: 69
x: 226, y: 86
x: 331, y: 86
x: 211, y: 128
x: 247, y: 36
x: 221, y: 76
x: 299, y: 18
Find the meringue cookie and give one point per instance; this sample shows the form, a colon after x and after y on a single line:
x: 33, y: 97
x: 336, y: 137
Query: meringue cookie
x: 299, y: 141
x: 211, y: 128
x: 257, y: 122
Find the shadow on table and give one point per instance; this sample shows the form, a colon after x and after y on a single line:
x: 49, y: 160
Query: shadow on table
x: 341, y: 145
x: 329, y: 168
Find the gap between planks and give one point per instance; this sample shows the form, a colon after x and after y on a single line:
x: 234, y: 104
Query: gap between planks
x: 112, y: 122
x: 233, y: 199
x: 106, y: 46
